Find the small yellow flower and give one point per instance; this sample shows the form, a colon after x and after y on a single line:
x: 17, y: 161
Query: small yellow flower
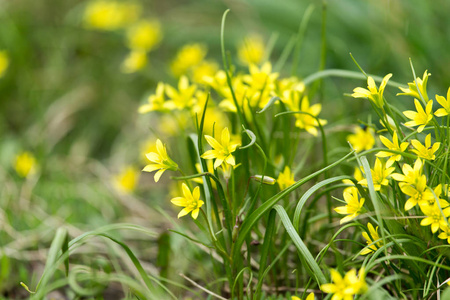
x: 4, y: 62
x: 25, y: 164
x: 345, y: 288
x: 431, y: 200
x: 362, y: 139
x: 410, y: 175
x: 204, y: 70
x: 286, y: 178
x: 445, y: 234
x: 190, y: 201
x: 372, y: 93
x: 434, y: 217
x: 135, y: 61
x: 445, y: 103
x: 261, y: 78
x: 182, y: 98
x: 425, y: 151
x: 380, y: 174
x: 110, y: 15
x: 155, y: 102
x: 127, y: 180
x: 251, y: 50
x: 187, y: 57
x: 394, y: 145
x: 370, y: 239
x: 309, y: 297
x: 159, y: 161
x: 417, y: 193
x: 412, y: 89
x: 354, y: 205
x: 421, y: 117
x: 144, y: 35
x: 222, y: 151
x: 307, y: 122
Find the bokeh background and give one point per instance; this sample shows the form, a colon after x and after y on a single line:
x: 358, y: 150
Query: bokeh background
x: 66, y: 98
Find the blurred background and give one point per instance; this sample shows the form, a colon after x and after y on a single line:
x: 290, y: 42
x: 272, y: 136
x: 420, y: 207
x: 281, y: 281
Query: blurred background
x: 73, y: 75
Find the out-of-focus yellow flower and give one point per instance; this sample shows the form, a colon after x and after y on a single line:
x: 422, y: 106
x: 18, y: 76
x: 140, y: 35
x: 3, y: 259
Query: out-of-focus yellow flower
x: 308, y: 122
x: 285, y: 178
x: 251, y: 50
x: 127, y: 180
x: 354, y: 205
x: 394, y: 145
x: 204, y: 70
x: 362, y: 139
x: 410, y: 175
x: 425, y: 151
x: 412, y: 89
x: 171, y: 125
x: 445, y: 103
x: 215, y: 119
x: 135, y: 61
x: 370, y: 239
x: 110, y: 15
x: 309, y: 297
x: 187, y: 57
x: 380, y: 174
x: 155, y: 102
x: 183, y: 97
x: 190, y: 201
x: 434, y: 217
x: 146, y: 147
x: 159, y: 161
x: 144, y: 35
x: 372, y: 93
x: 261, y: 78
x: 345, y: 288
x: 25, y: 164
x: 421, y: 117
x: 4, y: 62
x: 221, y: 151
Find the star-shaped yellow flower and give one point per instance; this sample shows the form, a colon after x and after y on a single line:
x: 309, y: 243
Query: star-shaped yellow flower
x: 191, y: 202
x: 412, y: 88
x: 362, y: 139
x: 372, y: 93
x: 425, y: 151
x: 370, y: 239
x: 394, y: 145
x: 221, y: 151
x: 380, y: 174
x: 354, y: 205
x: 155, y: 102
x: 159, y: 161
x: 307, y: 122
x: 421, y: 117
x: 183, y: 97
x: 286, y: 178
x: 345, y: 288
x: 445, y: 103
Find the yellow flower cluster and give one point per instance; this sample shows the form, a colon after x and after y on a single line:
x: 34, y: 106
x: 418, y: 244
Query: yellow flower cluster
x: 345, y: 288
x: 141, y: 35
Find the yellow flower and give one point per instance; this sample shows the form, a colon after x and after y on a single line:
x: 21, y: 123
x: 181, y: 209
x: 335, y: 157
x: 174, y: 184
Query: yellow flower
x: 135, y: 61
x: 370, y: 239
x: 25, y: 164
x: 354, y: 205
x: 445, y: 103
x: 427, y: 151
x: 417, y: 193
x: 110, y: 15
x: 182, y: 98
x: 286, y: 178
x: 380, y: 174
x: 412, y: 89
x: 4, y: 62
x: 394, y: 145
x: 421, y: 117
x: 445, y: 234
x: 127, y: 180
x: 362, y: 139
x: 431, y: 200
x: 345, y: 288
x: 191, y: 202
x: 159, y: 161
x: 434, y: 217
x: 261, y: 78
x: 204, y: 70
x: 155, y: 102
x: 222, y: 151
x: 187, y: 57
x: 410, y: 175
x: 144, y: 35
x: 307, y: 122
x: 309, y: 297
x: 251, y: 50
x: 372, y: 93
